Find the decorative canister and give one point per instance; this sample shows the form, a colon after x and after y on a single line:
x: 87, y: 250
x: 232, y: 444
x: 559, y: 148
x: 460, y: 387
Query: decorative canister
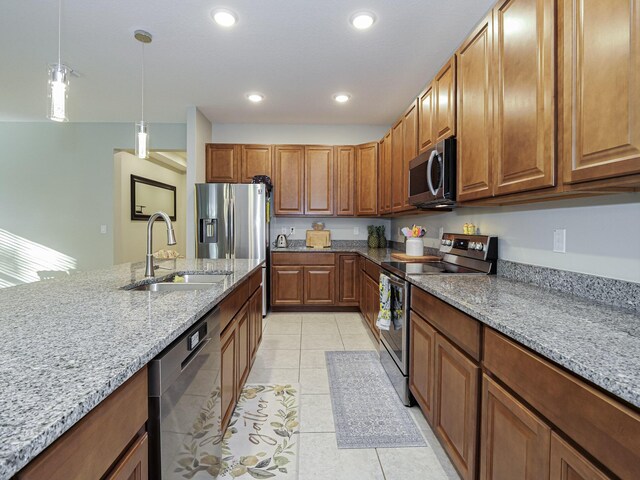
x: 414, y: 247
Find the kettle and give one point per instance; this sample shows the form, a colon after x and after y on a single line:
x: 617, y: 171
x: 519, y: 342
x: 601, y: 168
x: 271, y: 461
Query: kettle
x: 281, y: 241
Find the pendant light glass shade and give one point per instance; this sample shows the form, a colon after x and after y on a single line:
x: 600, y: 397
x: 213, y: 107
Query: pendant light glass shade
x: 142, y: 140
x: 57, y: 93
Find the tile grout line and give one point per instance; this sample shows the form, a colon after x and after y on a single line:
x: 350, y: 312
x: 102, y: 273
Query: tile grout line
x: 380, y: 463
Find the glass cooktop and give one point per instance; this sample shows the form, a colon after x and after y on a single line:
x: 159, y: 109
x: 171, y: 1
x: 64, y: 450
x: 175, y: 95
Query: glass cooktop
x: 429, y: 268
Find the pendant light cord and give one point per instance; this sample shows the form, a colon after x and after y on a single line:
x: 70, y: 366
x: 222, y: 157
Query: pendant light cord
x: 142, y: 82
x: 59, y: 27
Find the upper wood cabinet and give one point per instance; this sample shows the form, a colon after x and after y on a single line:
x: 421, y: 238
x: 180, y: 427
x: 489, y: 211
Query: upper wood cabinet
x: 367, y: 179
x: 222, y: 163
x: 444, y: 101
x: 475, y: 114
x: 524, y: 88
x: 426, y: 137
x: 255, y: 160
x: 345, y: 159
x: 385, y: 184
x: 397, y: 167
x: 600, y: 88
x: 409, y: 148
x: 289, y: 179
x: 514, y: 443
x: 319, y: 180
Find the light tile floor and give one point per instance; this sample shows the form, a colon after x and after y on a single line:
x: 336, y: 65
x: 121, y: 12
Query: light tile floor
x: 292, y: 350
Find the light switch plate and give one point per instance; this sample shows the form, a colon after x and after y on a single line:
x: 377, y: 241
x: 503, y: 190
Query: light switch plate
x: 283, y: 230
x: 440, y: 233
x: 560, y: 240
x: 356, y: 231
x: 103, y: 229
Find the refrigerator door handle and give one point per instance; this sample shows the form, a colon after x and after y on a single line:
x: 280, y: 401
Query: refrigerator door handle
x: 232, y: 229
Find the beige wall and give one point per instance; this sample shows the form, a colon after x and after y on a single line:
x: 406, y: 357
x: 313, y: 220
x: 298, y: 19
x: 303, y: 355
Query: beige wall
x: 130, y: 235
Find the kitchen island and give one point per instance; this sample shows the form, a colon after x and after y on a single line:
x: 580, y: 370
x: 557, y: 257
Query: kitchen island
x: 69, y: 343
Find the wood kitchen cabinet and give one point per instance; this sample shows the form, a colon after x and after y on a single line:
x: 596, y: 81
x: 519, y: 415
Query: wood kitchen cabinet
x: 444, y: 101
x: 426, y: 137
x: 456, y: 406
x: 289, y: 180
x: 319, y: 285
x: 367, y: 179
x: 422, y: 363
x: 385, y: 176
x: 409, y: 148
x: 569, y: 464
x: 475, y: 114
x: 397, y: 168
x: 287, y: 285
x: 255, y: 160
x: 319, y: 180
x: 222, y: 163
x: 345, y: 159
x: 599, y: 94
x: 228, y: 374
x: 243, y: 348
x: 348, y: 279
x: 514, y: 442
x: 255, y: 321
x: 113, y: 433
x: 135, y: 463
x: 523, y: 93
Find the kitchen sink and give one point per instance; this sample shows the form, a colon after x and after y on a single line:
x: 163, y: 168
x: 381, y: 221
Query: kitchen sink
x: 182, y: 283
x: 172, y: 287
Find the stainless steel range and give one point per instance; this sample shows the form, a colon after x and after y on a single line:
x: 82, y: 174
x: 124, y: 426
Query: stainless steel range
x: 462, y: 254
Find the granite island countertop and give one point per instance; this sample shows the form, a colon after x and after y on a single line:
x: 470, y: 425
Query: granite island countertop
x: 69, y: 343
x: 596, y: 341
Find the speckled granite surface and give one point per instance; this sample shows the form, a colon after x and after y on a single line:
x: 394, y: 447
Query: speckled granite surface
x: 598, y: 342
x: 376, y: 255
x: 69, y: 343
x: 606, y: 290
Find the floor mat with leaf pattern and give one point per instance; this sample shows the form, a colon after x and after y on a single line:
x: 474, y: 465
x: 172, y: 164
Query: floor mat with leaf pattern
x: 262, y: 438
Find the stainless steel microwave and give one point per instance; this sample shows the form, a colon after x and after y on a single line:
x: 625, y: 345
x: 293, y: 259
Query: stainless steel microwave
x: 432, y: 176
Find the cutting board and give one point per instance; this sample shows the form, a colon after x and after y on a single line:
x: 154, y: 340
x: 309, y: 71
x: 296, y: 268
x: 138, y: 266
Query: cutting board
x: 403, y: 257
x: 318, y: 238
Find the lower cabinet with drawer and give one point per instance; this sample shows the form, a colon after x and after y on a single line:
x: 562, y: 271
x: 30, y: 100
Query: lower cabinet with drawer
x: 239, y: 341
x: 503, y: 412
x: 110, y: 442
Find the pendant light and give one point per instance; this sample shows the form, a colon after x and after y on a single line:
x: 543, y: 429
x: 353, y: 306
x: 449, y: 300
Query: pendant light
x: 142, y: 129
x: 58, y: 85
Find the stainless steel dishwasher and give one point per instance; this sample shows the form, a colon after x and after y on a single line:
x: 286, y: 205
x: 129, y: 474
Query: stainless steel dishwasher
x: 184, y: 404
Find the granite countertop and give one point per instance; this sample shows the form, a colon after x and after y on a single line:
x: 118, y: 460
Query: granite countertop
x: 68, y: 343
x: 598, y: 342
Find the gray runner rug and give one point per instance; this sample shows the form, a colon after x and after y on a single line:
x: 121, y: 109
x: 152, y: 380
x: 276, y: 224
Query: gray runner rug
x: 366, y: 409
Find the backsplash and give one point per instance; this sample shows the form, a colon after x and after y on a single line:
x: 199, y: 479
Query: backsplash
x: 341, y: 228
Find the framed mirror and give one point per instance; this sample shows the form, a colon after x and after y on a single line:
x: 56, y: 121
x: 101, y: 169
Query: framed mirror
x: 149, y: 196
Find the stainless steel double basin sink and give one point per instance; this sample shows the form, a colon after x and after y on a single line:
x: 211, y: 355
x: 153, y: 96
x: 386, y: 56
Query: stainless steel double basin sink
x: 181, y: 283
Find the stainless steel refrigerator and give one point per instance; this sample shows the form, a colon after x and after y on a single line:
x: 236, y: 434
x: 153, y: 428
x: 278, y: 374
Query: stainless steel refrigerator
x: 232, y: 223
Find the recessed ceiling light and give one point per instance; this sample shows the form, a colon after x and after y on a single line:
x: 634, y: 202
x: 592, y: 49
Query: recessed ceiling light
x: 255, y: 97
x: 363, y: 20
x: 224, y: 18
x: 341, y: 97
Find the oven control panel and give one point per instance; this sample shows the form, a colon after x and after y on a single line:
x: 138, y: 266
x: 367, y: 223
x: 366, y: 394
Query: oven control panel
x: 480, y: 247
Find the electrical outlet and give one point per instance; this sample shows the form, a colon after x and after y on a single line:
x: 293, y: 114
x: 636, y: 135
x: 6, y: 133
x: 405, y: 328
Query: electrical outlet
x: 283, y: 230
x: 292, y: 230
x: 440, y: 233
x: 103, y: 229
x: 356, y: 231
x: 560, y: 240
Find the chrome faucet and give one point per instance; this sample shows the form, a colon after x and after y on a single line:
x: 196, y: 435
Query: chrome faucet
x: 171, y: 240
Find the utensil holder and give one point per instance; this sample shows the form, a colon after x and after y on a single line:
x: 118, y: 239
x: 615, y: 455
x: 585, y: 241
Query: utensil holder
x: 414, y: 247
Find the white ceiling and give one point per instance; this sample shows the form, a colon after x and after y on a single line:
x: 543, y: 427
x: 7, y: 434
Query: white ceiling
x: 297, y: 52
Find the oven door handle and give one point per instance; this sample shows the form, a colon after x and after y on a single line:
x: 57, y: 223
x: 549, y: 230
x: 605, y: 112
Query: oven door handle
x: 393, y: 281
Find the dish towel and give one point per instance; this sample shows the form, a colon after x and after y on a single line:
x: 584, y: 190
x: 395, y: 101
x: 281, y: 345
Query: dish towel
x: 384, y: 316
